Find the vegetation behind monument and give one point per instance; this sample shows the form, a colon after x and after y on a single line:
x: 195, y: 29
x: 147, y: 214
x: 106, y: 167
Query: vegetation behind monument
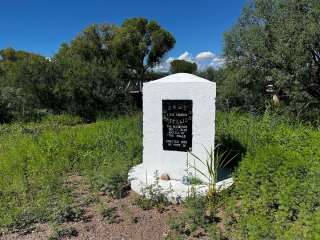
x: 89, y: 77
x: 182, y: 66
x: 274, y: 43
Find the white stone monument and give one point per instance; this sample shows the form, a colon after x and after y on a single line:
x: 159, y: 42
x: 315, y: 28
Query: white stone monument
x: 178, y: 118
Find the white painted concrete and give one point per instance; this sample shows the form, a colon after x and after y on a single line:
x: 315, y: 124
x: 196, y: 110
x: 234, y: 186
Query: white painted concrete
x: 179, y: 86
x: 175, y: 190
x: 174, y: 87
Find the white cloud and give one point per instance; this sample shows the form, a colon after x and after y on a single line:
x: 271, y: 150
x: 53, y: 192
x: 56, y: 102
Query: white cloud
x: 205, y: 56
x: 169, y: 60
x: 203, y: 60
x: 217, y: 62
x: 209, y: 59
x: 185, y: 56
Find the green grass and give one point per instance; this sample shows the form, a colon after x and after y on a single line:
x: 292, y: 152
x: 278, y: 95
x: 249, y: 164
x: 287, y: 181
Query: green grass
x: 277, y: 181
x: 276, y: 194
x: 35, y: 160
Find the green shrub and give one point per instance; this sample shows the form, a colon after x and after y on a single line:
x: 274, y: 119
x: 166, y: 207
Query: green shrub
x: 117, y: 185
x: 276, y: 193
x: 60, y: 233
x: 195, y: 210
x: 68, y: 214
x: 153, y: 196
x: 109, y: 214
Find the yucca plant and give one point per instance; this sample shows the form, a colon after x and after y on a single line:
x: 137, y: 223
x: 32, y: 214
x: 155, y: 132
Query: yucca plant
x: 215, y: 160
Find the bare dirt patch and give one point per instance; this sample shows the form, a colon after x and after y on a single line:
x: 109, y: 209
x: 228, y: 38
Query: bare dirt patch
x: 129, y: 221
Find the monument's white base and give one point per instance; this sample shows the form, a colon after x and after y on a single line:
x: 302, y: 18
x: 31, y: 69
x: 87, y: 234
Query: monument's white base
x: 175, y: 190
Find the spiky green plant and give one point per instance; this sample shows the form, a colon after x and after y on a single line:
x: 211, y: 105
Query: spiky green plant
x: 212, y: 163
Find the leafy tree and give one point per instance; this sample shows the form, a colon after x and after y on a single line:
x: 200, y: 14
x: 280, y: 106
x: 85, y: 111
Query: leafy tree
x: 88, y: 76
x: 230, y: 92
x: 141, y: 44
x: 94, y: 80
x: 11, y: 55
x: 277, y: 42
x: 182, y: 66
x: 5, y: 113
x: 26, y: 82
x: 93, y: 43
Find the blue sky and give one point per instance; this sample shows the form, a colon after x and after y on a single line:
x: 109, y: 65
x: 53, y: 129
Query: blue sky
x: 41, y: 26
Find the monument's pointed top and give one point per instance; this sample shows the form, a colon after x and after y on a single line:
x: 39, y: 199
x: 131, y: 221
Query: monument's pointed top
x: 180, y: 78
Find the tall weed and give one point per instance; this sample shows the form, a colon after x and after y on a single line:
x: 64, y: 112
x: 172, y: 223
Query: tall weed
x: 276, y: 193
x: 36, y: 159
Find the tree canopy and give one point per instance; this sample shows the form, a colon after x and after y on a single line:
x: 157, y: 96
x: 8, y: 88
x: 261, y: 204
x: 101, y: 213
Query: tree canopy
x: 273, y: 51
x: 88, y: 76
x: 277, y: 43
x: 141, y: 45
x: 182, y: 66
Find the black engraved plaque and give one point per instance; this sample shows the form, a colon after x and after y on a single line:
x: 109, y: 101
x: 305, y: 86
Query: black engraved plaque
x: 177, y: 125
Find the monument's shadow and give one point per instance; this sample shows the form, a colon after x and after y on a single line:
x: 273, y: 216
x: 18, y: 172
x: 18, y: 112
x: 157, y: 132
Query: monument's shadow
x: 233, y: 152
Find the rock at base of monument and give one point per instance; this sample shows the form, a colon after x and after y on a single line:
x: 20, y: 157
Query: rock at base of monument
x: 175, y: 190
x: 164, y: 177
